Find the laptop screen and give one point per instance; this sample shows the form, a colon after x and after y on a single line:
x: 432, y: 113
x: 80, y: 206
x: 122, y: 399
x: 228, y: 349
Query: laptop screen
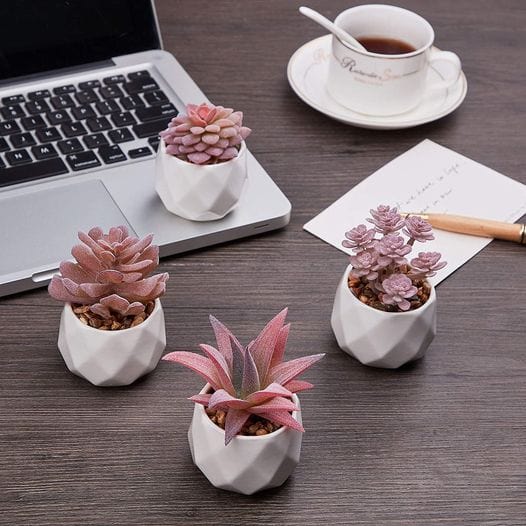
x: 43, y: 35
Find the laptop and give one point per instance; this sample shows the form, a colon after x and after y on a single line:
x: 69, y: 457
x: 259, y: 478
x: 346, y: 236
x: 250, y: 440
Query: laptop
x: 85, y: 88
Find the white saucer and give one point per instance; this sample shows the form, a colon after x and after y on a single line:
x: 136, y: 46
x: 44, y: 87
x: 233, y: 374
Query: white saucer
x: 307, y: 71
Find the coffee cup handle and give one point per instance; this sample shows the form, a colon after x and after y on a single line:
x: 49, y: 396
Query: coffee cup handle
x: 451, y: 58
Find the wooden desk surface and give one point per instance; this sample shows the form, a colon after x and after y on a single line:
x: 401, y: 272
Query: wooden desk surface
x: 439, y: 442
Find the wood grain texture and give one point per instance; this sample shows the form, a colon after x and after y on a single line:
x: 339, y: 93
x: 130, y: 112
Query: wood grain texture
x: 440, y: 442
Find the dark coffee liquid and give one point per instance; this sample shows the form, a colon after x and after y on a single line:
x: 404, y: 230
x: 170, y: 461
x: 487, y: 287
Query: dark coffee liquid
x: 386, y: 46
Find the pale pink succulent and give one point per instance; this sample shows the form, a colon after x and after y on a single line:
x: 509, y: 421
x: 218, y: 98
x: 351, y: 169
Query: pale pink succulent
x: 418, y: 229
x: 359, y: 238
x: 392, y: 249
x: 376, y: 260
x: 364, y: 264
x: 427, y: 264
x: 110, y: 273
x: 252, y: 380
x: 205, y: 134
x: 396, y: 289
x: 386, y: 220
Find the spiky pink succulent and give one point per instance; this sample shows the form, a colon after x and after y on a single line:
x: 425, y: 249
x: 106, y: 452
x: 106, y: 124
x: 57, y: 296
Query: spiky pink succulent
x: 396, y: 289
x: 205, y: 134
x: 110, y: 273
x: 378, y: 259
x: 252, y: 380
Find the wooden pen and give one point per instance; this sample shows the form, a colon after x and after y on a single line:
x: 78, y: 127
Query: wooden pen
x: 476, y: 227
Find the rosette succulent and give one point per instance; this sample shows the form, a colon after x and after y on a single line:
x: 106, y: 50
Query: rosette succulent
x: 381, y: 275
x: 205, y: 134
x: 252, y: 380
x: 111, y: 273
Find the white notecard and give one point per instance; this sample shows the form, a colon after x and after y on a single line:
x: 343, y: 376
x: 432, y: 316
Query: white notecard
x: 428, y: 178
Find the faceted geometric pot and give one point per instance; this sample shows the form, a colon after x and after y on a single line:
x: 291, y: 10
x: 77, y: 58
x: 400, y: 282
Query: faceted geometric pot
x: 111, y: 358
x: 249, y: 463
x: 377, y: 338
x: 200, y: 192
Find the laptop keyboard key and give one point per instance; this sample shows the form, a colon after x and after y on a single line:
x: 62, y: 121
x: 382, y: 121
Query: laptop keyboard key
x: 13, y: 111
x: 111, y: 92
x: 18, y: 157
x: 13, y: 99
x: 87, y: 96
x: 114, y: 79
x: 58, y: 117
x: 105, y: 107
x: 9, y: 127
x: 96, y: 140
x: 154, y: 142
x: 123, y: 118
x: 32, y: 123
x: 139, y: 74
x: 73, y: 129
x: 82, y: 161
x: 120, y: 135
x: 150, y: 128
x: 98, y: 124
x: 38, y: 95
x: 44, y: 151
x: 139, y: 152
x: 3, y: 145
x: 155, y: 97
x: 131, y: 102
x: 22, y: 140
x: 70, y: 146
x: 61, y: 90
x: 35, y: 170
x: 35, y: 107
x: 141, y: 84
x: 62, y: 101
x: 112, y: 154
x: 89, y: 84
x: 155, y: 112
x: 83, y: 112
x: 48, y: 135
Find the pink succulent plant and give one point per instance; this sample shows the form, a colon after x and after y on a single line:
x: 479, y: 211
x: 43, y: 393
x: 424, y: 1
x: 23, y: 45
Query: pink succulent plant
x: 386, y: 220
x: 205, y: 134
x: 252, y: 380
x: 380, y: 266
x: 359, y: 238
x: 396, y: 289
x: 111, y: 273
x: 427, y: 263
x: 418, y: 229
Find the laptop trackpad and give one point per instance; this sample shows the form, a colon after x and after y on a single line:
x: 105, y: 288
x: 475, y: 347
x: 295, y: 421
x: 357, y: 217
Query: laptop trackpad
x: 39, y: 228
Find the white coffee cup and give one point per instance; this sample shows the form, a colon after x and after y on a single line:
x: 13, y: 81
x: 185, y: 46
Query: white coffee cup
x: 381, y: 85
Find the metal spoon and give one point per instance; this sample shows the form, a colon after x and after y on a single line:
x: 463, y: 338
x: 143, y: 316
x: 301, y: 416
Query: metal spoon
x: 332, y: 27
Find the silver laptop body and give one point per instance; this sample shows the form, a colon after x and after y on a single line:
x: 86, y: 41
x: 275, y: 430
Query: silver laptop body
x: 109, y: 181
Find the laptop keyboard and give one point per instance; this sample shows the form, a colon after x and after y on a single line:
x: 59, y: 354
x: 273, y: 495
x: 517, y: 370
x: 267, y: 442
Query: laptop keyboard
x: 66, y: 129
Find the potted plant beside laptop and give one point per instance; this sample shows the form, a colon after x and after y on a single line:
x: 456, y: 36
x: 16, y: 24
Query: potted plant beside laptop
x: 112, y: 326
x: 245, y: 434
x: 201, y: 166
x: 384, y: 312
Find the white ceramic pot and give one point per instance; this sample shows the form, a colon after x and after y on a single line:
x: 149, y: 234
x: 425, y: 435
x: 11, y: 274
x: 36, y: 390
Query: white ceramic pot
x: 200, y: 192
x: 248, y: 463
x: 111, y: 358
x: 377, y: 338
